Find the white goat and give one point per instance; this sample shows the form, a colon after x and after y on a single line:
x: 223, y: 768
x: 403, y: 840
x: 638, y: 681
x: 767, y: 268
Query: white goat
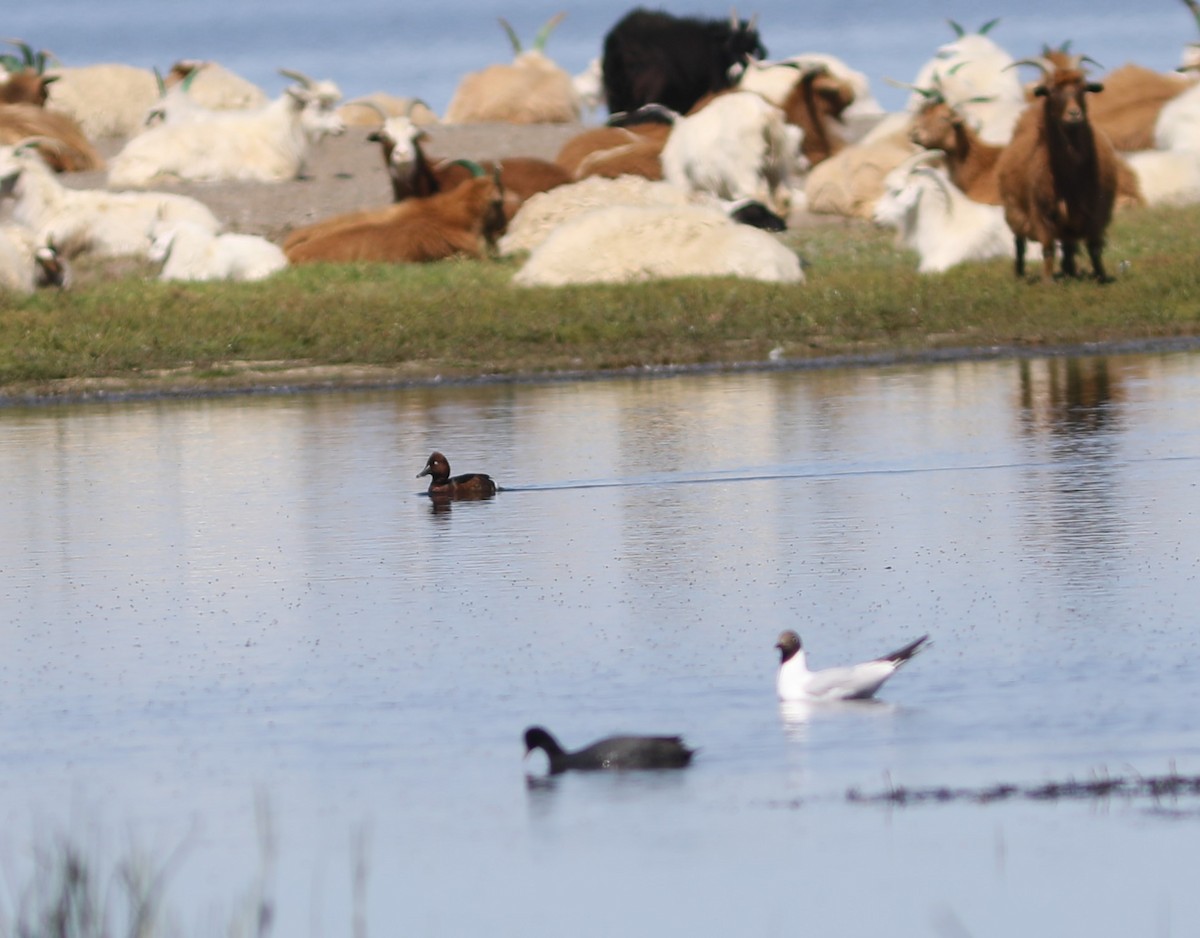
x: 26, y: 264
x: 975, y: 75
x: 78, y: 220
x: 628, y: 243
x: 1178, y: 124
x: 532, y: 90
x: 1167, y: 177
x: 545, y: 211
x: 736, y: 147
x: 937, y: 220
x: 189, y: 251
x: 107, y: 100
x: 265, y: 145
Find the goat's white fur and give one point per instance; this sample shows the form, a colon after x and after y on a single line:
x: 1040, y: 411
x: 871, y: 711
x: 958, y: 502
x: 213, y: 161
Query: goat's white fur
x: 627, y: 243
x: 1167, y: 177
x: 95, y: 220
x: 269, y: 144
x: 736, y: 147
x: 937, y: 220
x: 190, y: 252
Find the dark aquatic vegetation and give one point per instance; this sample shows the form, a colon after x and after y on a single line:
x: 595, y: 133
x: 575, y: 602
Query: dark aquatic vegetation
x: 467, y: 485
x: 614, y: 752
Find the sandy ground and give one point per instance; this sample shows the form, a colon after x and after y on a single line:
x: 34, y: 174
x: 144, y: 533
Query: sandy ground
x: 346, y: 173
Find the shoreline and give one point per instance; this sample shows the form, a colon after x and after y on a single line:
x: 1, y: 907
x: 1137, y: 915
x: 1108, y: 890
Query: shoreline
x: 313, y: 379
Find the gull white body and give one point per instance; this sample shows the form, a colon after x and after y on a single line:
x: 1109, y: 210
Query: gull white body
x: 852, y: 682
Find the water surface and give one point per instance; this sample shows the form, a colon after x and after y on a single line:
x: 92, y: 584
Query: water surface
x: 206, y: 604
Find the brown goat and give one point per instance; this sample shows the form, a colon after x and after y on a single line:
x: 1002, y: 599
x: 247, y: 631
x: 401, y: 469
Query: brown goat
x: 22, y: 81
x: 71, y: 152
x: 413, y: 175
x: 462, y: 222
x: 631, y: 149
x: 1058, y: 175
x: 815, y: 103
x: 970, y: 162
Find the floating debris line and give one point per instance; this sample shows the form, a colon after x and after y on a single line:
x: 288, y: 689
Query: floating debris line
x: 1155, y: 787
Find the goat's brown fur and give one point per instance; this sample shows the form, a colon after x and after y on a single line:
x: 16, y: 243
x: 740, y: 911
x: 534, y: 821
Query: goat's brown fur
x: 73, y: 151
x: 815, y: 104
x: 462, y: 222
x: 615, y: 151
x: 1058, y: 176
x: 970, y: 161
x: 1128, y: 107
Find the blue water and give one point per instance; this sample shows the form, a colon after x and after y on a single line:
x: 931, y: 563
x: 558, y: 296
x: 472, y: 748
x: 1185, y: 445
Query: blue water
x: 205, y: 603
x: 422, y: 50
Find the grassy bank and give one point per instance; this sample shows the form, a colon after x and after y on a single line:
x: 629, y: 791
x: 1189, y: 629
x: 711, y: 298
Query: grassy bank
x: 368, y: 324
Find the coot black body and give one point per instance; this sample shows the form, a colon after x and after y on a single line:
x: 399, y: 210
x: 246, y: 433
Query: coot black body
x: 614, y: 752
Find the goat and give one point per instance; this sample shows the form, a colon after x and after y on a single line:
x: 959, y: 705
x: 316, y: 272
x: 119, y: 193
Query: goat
x: 189, y: 251
x: 1130, y: 105
x: 935, y: 219
x: 72, y: 152
x: 816, y: 102
x: 1178, y: 124
x: 265, y: 145
x: 738, y: 146
x: 775, y: 81
x: 26, y: 264
x: 78, y: 220
x: 1058, y: 176
x: 974, y: 73
x: 628, y: 243
x: 1167, y: 177
x: 412, y: 174
x: 532, y: 90
x: 107, y: 100
x: 462, y: 222
x: 630, y: 144
x: 970, y: 161
x: 546, y: 211
x: 851, y: 181
x: 23, y: 80
x: 652, y: 57
x: 212, y: 86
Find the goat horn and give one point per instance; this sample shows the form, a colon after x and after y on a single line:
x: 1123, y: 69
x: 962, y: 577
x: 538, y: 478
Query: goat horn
x: 475, y: 168
x: 941, y: 181
x: 539, y: 41
x: 1090, y: 61
x: 1037, y: 63
x: 158, y: 80
x: 929, y: 94
x: 988, y: 26
x: 1195, y: 8
x: 512, y: 35
x: 959, y: 32
x: 368, y: 103
x: 26, y: 51
x: 296, y: 76
x: 32, y: 143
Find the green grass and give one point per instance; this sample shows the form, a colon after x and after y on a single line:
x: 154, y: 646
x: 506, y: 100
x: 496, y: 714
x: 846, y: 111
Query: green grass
x: 380, y: 323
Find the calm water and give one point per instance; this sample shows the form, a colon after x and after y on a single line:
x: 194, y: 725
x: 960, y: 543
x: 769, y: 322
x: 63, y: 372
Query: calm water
x: 421, y: 50
x: 209, y: 603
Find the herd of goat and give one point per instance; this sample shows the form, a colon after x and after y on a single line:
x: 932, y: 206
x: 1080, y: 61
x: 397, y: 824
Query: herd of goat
x: 709, y: 148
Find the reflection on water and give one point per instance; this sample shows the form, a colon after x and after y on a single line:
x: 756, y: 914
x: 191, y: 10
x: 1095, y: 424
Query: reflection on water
x: 204, y: 599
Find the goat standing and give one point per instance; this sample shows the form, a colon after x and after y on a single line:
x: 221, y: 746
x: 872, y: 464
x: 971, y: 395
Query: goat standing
x: 1058, y: 176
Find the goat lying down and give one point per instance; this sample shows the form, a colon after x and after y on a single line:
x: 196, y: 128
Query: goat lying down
x: 935, y: 218
x: 462, y: 222
x: 189, y: 251
x: 628, y: 243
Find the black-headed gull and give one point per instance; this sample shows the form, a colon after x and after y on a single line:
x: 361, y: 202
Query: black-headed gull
x: 854, y: 682
x: 615, y: 752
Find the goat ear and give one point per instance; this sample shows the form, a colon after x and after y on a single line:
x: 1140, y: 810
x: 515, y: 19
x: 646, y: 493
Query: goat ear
x: 1094, y: 87
x: 1040, y: 91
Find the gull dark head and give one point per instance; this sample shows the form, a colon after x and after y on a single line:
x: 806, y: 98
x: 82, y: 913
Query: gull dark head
x: 788, y: 645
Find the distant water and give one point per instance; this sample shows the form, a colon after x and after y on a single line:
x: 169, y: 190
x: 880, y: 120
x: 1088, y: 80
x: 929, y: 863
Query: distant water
x: 423, y: 50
